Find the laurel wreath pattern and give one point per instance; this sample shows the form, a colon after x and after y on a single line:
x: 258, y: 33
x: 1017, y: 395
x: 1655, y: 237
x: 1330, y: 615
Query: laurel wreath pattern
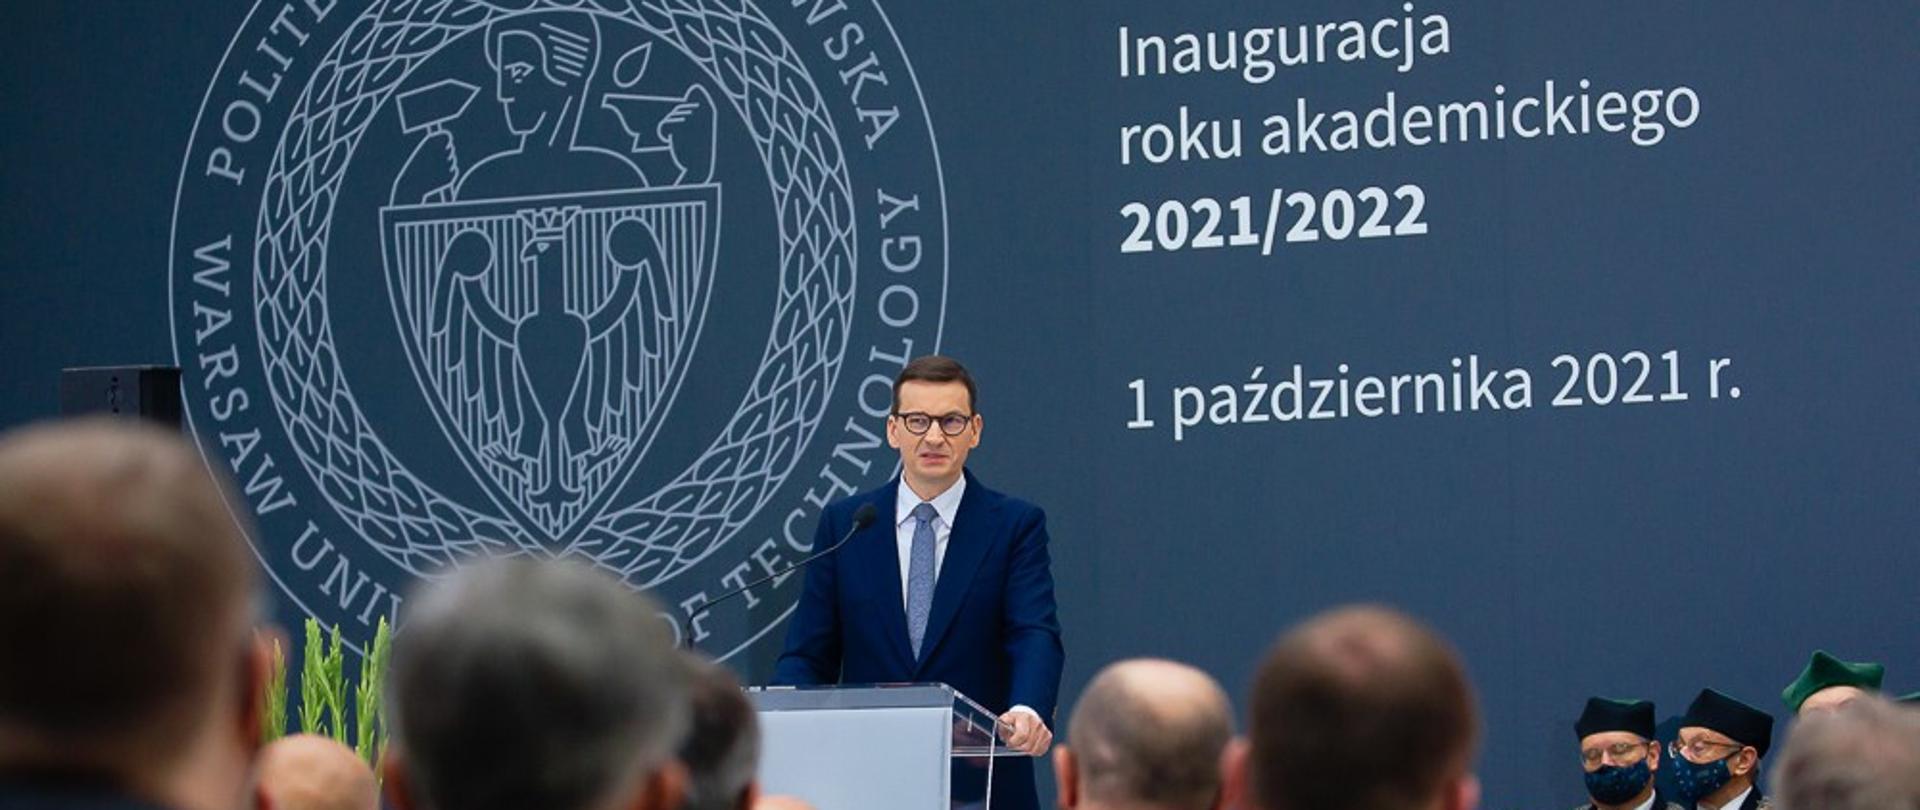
x: 646, y: 542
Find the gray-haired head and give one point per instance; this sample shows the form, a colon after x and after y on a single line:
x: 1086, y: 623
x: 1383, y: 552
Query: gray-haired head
x: 521, y: 683
x: 723, y: 749
x: 1864, y: 755
x: 1149, y: 733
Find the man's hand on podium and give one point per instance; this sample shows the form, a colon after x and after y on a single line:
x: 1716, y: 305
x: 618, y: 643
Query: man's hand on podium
x: 1024, y: 732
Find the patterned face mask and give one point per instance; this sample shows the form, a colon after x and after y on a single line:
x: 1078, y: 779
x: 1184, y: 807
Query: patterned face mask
x: 1613, y: 784
x: 1694, y: 781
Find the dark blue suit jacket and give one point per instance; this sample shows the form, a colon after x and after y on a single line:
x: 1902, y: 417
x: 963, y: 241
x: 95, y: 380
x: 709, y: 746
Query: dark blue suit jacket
x: 992, y: 633
x: 64, y: 792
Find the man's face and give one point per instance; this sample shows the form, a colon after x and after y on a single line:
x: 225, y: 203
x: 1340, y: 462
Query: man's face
x: 932, y: 461
x: 1829, y: 699
x: 1622, y: 748
x: 524, y: 89
x: 1702, y: 745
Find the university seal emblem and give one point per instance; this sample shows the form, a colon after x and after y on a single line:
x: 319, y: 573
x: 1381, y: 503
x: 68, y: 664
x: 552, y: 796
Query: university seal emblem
x: 615, y: 280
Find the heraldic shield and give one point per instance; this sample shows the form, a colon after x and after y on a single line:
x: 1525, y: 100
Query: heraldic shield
x: 550, y: 333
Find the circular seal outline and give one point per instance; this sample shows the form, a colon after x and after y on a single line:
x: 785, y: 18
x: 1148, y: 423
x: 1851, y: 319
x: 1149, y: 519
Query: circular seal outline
x: 766, y: 493
x: 314, y: 156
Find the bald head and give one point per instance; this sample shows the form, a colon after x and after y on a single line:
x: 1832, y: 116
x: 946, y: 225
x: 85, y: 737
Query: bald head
x: 781, y: 803
x: 1148, y: 733
x: 1361, y: 707
x: 125, y: 590
x: 310, y: 772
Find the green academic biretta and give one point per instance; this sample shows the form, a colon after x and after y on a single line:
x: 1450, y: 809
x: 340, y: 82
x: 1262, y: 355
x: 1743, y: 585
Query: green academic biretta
x: 1826, y: 671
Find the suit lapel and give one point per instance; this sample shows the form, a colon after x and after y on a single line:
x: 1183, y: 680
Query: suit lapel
x: 966, y: 546
x: 883, y: 566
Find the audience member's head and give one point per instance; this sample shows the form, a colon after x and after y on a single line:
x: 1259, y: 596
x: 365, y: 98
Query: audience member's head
x: 128, y: 655
x: 1359, y: 708
x: 311, y: 772
x: 1716, y: 755
x: 1618, y: 751
x: 723, y: 748
x: 1863, y: 756
x: 1146, y: 734
x: 1829, y: 683
x: 520, y: 684
x: 781, y: 803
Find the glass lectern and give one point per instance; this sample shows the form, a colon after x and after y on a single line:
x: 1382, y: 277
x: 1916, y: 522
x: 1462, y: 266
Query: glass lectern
x: 880, y: 747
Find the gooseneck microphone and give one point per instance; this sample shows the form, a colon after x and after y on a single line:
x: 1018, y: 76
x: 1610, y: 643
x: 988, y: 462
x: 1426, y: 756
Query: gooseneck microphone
x: 862, y: 518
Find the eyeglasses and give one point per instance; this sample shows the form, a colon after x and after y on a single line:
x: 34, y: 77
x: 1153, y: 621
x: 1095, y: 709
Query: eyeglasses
x: 1698, y: 750
x: 918, y: 424
x: 1620, y: 753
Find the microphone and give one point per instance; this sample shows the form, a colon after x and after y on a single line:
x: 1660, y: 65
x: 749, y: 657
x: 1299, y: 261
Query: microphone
x: 862, y: 518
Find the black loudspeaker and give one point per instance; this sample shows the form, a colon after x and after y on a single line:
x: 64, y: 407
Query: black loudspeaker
x: 149, y: 392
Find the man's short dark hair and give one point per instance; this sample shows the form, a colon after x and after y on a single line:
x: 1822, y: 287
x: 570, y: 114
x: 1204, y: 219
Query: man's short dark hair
x: 126, y: 587
x: 1360, y: 708
x: 936, y: 368
x: 522, y: 683
x: 723, y: 749
x: 1150, y: 733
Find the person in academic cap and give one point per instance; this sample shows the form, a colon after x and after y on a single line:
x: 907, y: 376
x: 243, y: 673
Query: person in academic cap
x: 1828, y: 683
x: 1716, y: 758
x: 1620, y: 755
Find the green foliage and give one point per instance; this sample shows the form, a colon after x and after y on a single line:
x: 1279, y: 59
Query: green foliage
x: 273, y: 717
x: 368, y: 714
x: 323, y: 691
x: 336, y: 687
x: 313, y: 679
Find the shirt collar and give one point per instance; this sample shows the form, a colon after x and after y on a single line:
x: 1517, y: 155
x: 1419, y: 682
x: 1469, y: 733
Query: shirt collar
x: 1737, y: 801
x: 946, y: 503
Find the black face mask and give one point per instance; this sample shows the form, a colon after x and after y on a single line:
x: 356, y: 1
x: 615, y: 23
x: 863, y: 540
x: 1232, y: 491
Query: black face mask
x: 1613, y: 784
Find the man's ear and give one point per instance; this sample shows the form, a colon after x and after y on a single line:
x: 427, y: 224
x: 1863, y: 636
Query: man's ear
x: 1745, y: 761
x: 665, y: 789
x: 1066, y: 775
x: 1236, y: 784
x: 749, y: 795
x: 1227, y: 796
x: 1653, y: 756
x: 1465, y: 794
x: 394, y: 782
x: 256, y: 664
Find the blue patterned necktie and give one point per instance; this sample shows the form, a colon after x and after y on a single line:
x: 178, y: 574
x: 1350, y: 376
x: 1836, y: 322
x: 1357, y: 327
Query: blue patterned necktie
x: 920, y: 576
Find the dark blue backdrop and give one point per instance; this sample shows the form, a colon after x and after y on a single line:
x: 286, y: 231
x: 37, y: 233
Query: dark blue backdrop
x: 1629, y: 549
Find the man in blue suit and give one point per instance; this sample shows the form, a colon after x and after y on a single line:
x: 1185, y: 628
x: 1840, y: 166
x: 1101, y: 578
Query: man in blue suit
x: 952, y: 584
